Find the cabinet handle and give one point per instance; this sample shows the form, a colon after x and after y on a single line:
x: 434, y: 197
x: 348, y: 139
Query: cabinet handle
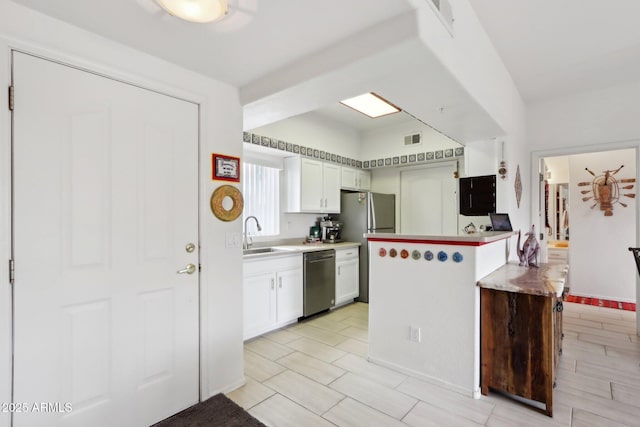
x: 558, y: 307
x: 325, y: 203
x: 280, y: 282
x: 320, y: 201
x: 272, y: 284
x: 339, y: 267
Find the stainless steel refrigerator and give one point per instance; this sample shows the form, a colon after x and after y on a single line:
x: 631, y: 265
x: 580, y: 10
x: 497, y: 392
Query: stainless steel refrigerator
x: 366, y: 213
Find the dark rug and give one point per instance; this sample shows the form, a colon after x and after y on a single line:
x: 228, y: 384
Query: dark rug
x: 216, y: 411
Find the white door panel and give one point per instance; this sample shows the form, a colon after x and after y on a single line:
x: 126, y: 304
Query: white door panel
x: 105, y: 200
x: 428, y: 200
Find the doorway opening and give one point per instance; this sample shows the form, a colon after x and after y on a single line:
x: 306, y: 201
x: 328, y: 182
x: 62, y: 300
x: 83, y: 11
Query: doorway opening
x: 590, y: 235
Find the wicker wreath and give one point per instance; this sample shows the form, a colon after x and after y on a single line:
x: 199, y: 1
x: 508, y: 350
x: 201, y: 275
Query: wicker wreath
x: 216, y: 203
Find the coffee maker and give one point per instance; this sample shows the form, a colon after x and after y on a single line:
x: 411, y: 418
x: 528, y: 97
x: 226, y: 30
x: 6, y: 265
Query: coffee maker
x: 331, y: 230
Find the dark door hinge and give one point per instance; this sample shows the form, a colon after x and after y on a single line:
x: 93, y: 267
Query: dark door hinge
x: 12, y: 271
x: 11, y: 98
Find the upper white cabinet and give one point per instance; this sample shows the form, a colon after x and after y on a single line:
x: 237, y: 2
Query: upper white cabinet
x: 312, y: 186
x: 356, y: 179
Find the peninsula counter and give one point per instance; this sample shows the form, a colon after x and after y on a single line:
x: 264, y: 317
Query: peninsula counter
x: 424, y: 305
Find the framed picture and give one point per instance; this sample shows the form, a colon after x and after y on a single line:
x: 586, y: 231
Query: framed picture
x: 225, y: 168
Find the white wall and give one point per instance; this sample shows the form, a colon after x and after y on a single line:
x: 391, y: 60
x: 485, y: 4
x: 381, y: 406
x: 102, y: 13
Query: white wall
x: 601, y: 265
x: 597, y: 118
x: 316, y: 131
x: 220, y: 129
x: 473, y: 61
x: 586, y: 122
x: 558, y: 168
x: 389, y: 141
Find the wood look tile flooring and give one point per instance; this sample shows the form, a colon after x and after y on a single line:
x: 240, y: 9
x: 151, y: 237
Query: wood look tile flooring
x: 315, y: 373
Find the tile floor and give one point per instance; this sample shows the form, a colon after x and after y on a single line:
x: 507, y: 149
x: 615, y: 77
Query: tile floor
x: 315, y: 373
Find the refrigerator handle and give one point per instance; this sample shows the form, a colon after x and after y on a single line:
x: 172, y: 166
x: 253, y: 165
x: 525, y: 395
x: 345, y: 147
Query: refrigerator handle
x: 371, y: 213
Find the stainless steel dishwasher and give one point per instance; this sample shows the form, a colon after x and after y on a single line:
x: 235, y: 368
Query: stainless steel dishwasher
x: 319, y: 281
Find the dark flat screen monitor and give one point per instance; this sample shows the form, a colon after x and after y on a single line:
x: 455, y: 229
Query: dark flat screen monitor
x: 500, y: 222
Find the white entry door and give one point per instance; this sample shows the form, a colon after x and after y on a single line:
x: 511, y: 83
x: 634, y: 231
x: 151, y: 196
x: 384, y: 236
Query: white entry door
x: 105, y: 202
x: 428, y: 200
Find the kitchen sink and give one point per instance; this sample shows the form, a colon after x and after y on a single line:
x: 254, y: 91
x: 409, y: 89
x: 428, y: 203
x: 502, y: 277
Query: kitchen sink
x: 255, y: 251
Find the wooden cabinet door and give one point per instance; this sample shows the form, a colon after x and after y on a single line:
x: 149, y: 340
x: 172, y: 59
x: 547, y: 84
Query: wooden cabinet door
x: 289, y: 295
x: 517, y: 345
x: 259, y: 303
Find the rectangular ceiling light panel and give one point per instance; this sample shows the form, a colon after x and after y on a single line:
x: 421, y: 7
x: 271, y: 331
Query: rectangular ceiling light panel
x: 371, y: 105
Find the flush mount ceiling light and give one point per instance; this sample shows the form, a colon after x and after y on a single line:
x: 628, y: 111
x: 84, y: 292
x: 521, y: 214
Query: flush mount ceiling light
x: 196, y: 10
x: 371, y: 105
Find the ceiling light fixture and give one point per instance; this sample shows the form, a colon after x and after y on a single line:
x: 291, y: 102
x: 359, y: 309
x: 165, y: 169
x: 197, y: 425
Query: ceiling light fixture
x: 200, y: 11
x: 371, y: 105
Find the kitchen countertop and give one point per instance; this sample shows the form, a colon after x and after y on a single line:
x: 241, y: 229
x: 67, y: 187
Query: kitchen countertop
x: 284, y: 250
x: 548, y: 279
x: 475, y: 239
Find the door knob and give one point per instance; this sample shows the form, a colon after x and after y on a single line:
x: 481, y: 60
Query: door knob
x: 189, y: 269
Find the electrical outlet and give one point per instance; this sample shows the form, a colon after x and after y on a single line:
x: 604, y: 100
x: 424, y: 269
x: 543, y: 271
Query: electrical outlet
x: 414, y: 334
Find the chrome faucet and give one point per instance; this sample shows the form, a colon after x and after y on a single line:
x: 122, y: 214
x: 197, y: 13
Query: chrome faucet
x: 246, y: 243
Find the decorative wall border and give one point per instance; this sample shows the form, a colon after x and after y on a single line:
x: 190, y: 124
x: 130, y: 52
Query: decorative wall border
x: 405, y: 159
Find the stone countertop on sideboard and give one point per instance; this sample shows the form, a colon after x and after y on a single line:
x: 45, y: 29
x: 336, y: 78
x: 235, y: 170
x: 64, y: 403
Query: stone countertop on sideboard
x: 546, y: 280
x: 475, y: 239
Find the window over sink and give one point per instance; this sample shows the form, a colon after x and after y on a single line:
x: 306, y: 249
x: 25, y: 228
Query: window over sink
x: 261, y: 192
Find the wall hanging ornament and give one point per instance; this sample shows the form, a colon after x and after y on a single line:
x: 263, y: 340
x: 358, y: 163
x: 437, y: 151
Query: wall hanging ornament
x: 518, y: 186
x: 217, y: 203
x: 502, y: 167
x: 605, y: 190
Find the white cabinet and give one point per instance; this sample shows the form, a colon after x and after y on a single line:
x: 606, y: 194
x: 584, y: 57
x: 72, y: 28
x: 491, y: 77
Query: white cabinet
x: 364, y: 180
x: 347, y: 275
x: 272, y: 293
x: 356, y: 179
x: 312, y: 186
x: 259, y: 304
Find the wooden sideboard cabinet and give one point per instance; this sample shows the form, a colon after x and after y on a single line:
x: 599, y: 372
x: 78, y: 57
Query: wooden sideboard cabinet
x: 521, y: 341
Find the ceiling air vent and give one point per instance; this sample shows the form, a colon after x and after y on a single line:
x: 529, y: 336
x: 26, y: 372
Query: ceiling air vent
x: 444, y: 12
x: 413, y: 139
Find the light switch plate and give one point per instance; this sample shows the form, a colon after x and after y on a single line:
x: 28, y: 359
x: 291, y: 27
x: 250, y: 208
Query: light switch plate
x: 233, y: 239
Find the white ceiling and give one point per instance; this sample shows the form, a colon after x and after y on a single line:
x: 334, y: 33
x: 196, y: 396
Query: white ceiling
x: 264, y: 47
x: 256, y: 38
x: 554, y: 48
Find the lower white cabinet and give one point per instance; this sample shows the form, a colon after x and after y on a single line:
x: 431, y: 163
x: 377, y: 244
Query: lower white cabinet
x: 272, y: 293
x: 347, y: 275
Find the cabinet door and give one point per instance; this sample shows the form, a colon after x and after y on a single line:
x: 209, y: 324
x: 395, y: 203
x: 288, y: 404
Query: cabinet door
x: 311, y: 190
x: 331, y: 180
x: 349, y: 178
x: 289, y: 291
x: 347, y: 280
x: 364, y: 180
x: 259, y: 304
